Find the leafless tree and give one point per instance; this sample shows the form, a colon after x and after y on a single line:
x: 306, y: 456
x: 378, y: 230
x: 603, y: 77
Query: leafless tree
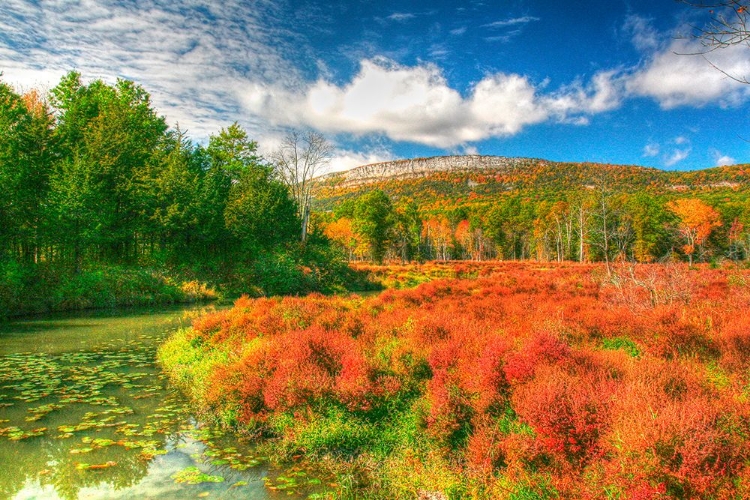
x: 727, y: 26
x: 300, y: 160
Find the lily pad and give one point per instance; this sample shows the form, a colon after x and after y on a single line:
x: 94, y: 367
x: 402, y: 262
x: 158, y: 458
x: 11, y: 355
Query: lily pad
x: 193, y: 475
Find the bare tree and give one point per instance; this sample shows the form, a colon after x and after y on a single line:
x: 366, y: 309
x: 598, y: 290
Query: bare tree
x: 728, y: 26
x: 300, y: 160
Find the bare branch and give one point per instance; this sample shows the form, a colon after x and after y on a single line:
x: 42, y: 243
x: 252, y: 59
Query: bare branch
x: 299, y: 161
x: 727, y: 26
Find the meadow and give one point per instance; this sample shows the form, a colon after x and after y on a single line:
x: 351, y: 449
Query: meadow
x: 515, y: 380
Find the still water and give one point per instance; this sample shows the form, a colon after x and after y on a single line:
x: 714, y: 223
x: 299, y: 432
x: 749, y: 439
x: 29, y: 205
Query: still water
x: 85, y: 412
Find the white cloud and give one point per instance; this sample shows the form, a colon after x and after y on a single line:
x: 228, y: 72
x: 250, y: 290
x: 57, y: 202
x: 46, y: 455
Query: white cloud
x: 675, y: 76
x: 506, y: 38
x: 511, y: 22
x: 345, y: 160
x: 207, y: 64
x: 193, y: 57
x: 676, y: 157
x: 602, y: 94
x: 642, y: 34
x: 417, y: 104
x: 401, y: 16
x: 721, y: 160
x: 651, y: 150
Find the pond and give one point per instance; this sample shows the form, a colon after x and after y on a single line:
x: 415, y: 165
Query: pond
x: 85, y: 412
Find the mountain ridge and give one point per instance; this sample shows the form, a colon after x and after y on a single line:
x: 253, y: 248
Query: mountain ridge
x: 424, y: 166
x: 480, y: 177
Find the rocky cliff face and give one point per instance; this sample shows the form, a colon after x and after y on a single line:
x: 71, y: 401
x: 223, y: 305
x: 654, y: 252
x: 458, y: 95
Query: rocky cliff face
x: 421, y: 167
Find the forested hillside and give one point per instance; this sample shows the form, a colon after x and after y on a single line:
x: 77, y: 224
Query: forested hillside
x: 477, y: 207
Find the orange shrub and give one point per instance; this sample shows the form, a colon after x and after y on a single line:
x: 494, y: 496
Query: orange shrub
x: 526, y: 371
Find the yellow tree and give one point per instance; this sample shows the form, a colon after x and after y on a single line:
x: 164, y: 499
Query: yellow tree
x: 464, y: 237
x: 342, y: 233
x: 437, y: 232
x: 697, y: 221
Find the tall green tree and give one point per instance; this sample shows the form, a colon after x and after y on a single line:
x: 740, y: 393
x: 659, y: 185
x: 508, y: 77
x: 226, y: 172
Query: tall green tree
x: 26, y: 152
x: 510, y: 225
x: 257, y: 208
x: 407, y: 231
x: 373, y: 221
x: 260, y: 211
x: 649, y: 220
x: 171, y: 197
x: 107, y: 135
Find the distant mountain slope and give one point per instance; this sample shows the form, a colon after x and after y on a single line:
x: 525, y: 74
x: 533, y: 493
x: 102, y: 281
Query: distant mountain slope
x: 424, y: 167
x: 451, y: 179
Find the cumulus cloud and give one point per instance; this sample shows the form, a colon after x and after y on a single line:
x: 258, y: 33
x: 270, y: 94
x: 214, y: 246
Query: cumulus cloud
x: 346, y: 159
x: 679, y: 72
x: 721, y: 160
x: 207, y: 64
x: 416, y: 104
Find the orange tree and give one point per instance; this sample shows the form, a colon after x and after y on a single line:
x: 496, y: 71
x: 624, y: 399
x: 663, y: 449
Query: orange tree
x: 697, y: 221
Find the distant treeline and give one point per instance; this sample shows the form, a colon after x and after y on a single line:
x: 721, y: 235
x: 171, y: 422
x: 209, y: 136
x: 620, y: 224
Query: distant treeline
x: 596, y: 223
x: 91, y: 176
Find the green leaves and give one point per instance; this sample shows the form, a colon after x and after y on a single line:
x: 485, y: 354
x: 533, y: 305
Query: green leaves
x: 373, y: 221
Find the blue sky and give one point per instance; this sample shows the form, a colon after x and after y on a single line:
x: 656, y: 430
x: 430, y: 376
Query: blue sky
x: 603, y: 81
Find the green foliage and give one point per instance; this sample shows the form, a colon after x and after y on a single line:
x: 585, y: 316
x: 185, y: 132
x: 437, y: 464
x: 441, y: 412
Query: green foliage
x: 259, y: 211
x: 373, y: 221
x: 537, y: 209
x: 95, y: 185
x: 192, y: 365
x: 622, y: 343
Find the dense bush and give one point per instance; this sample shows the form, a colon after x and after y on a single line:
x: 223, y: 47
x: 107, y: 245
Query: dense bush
x: 525, y: 382
x: 37, y: 289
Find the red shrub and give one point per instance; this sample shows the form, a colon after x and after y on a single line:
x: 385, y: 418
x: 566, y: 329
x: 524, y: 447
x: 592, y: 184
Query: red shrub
x: 541, y: 348
x: 510, y: 373
x: 569, y: 412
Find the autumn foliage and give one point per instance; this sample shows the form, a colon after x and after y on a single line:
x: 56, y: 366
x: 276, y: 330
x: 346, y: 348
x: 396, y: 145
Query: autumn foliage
x: 547, y: 381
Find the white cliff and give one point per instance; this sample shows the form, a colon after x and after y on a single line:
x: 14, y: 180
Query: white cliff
x: 422, y: 167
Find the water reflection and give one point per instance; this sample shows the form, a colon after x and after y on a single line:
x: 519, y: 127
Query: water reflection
x: 86, y: 413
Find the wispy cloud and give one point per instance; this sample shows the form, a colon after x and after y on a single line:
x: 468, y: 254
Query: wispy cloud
x: 676, y: 157
x: 193, y: 57
x: 517, y: 23
x: 651, y: 150
x: 642, y: 33
x: 207, y: 64
x: 503, y: 38
x: 511, y: 22
x: 401, y: 16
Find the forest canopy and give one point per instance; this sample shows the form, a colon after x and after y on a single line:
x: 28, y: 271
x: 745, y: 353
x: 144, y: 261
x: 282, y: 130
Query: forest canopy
x: 91, y: 175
